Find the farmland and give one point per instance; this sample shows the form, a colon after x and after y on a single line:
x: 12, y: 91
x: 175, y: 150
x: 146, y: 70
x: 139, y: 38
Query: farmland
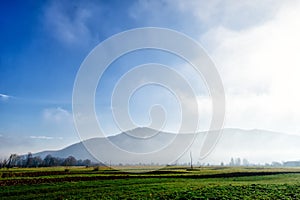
x: 167, y: 183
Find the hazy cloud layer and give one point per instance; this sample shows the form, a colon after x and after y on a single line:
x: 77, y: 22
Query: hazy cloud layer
x: 260, y: 69
x: 255, y: 46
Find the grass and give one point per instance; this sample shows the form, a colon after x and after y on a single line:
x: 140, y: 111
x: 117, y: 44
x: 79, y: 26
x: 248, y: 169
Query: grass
x: 169, y: 183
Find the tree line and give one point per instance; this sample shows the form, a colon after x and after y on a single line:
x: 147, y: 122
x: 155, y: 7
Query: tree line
x: 29, y: 160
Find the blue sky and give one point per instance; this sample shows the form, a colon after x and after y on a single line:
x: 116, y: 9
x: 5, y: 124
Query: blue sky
x: 43, y: 44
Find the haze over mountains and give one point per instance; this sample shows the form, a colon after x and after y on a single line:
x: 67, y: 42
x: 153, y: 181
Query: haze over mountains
x: 257, y: 146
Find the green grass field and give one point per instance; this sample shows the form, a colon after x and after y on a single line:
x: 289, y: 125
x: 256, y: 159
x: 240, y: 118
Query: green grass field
x: 169, y: 183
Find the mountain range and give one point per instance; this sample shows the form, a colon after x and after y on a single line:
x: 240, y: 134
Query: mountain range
x: 257, y: 146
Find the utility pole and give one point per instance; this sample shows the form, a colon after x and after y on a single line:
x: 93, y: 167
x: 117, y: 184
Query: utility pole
x: 191, y: 159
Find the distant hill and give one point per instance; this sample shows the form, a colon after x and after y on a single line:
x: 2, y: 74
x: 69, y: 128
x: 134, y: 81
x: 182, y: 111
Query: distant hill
x: 257, y: 146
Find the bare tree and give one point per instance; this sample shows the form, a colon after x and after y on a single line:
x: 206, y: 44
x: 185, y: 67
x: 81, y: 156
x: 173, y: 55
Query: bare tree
x: 29, y: 161
x: 11, y: 161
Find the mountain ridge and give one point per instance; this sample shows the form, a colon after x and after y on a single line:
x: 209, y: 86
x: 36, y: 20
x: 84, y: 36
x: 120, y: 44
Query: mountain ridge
x: 256, y: 145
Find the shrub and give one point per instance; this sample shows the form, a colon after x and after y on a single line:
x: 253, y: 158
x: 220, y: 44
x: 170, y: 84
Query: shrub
x: 97, y: 168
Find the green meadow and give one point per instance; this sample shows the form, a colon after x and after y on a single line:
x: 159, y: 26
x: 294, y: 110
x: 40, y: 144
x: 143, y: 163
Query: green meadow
x: 167, y: 183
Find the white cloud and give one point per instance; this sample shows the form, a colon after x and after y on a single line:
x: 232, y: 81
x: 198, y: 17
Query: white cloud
x: 5, y: 97
x: 69, y: 22
x: 260, y: 69
x: 255, y: 45
x: 41, y: 137
x: 57, y: 115
x: 201, y: 15
x: 225, y: 13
